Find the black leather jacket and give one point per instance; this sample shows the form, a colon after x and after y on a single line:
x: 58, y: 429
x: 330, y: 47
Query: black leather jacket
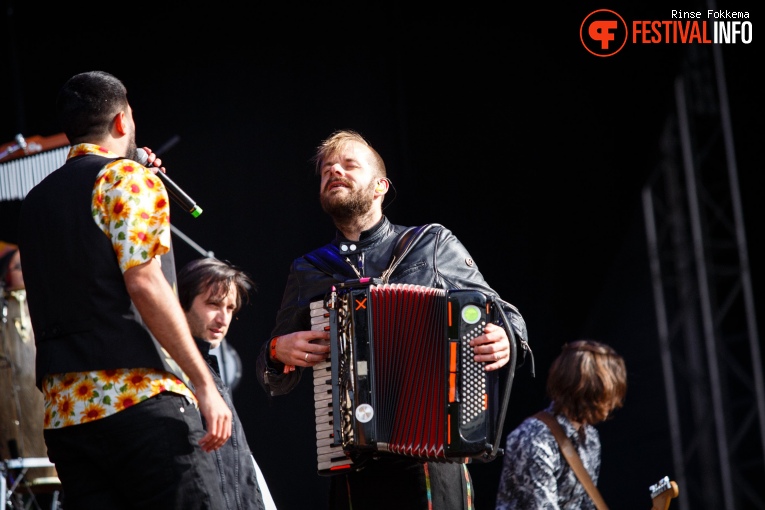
x: 236, y: 467
x: 437, y: 260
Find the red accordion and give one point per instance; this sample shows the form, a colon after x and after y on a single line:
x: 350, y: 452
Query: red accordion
x: 401, y: 378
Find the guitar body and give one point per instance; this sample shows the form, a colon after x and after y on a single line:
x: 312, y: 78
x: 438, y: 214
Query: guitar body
x: 662, y: 492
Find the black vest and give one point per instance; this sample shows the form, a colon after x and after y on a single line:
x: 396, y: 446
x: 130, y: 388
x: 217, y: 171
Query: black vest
x: 81, y: 313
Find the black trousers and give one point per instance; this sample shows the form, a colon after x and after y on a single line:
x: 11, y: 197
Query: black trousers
x: 146, y: 456
x: 397, y: 483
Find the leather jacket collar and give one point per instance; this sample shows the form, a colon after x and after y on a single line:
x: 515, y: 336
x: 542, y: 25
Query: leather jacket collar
x: 368, y: 238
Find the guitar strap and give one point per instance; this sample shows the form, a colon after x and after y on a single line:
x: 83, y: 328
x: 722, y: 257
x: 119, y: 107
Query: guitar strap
x: 569, y: 452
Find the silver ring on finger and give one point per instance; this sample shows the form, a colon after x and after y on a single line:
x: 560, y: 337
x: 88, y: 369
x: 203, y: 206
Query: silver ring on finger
x: 306, y: 357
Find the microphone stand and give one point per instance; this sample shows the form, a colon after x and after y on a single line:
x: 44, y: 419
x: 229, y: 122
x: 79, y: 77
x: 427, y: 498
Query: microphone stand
x: 205, y: 253
x: 191, y: 243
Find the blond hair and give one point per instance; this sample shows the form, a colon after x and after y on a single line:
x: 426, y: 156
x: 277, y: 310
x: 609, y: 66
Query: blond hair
x: 337, y: 141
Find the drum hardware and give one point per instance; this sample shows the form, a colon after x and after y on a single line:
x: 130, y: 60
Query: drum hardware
x: 13, y: 480
x: 22, y: 440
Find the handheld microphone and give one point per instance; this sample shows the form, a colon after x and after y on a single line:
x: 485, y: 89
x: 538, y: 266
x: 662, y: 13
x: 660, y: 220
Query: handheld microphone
x: 173, y: 189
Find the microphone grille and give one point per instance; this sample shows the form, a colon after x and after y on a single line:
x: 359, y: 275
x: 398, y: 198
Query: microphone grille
x: 141, y: 156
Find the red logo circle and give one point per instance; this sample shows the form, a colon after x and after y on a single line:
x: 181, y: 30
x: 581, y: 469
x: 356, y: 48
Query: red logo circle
x: 603, y: 33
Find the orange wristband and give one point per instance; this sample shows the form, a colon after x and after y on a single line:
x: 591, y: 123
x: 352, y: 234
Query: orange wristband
x: 272, y: 349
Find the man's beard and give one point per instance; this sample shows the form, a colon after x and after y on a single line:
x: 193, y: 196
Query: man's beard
x: 357, y: 203
x: 130, y: 153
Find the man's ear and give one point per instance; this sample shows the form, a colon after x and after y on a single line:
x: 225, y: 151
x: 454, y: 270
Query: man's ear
x: 121, y: 123
x: 382, y: 186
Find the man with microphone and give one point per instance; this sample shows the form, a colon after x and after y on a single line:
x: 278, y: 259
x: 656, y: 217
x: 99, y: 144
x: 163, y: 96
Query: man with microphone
x: 122, y: 379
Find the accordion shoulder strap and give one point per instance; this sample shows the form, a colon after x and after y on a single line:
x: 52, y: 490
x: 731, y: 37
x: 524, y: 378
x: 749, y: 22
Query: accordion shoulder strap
x: 406, y: 240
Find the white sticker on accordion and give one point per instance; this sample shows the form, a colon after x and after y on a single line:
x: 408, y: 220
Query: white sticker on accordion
x: 364, y: 413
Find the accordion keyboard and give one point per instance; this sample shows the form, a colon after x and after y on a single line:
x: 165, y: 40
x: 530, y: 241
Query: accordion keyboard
x: 330, y: 456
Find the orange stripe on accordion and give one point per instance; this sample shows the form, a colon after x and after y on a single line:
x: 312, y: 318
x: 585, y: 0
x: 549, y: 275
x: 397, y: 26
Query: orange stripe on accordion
x: 453, y: 371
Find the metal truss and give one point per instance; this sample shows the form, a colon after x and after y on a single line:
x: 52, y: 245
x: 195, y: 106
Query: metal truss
x: 700, y: 269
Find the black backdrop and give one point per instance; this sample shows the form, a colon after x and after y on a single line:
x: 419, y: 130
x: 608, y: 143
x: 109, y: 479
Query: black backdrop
x: 494, y: 122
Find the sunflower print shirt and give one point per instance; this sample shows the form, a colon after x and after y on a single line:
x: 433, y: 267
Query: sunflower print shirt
x: 130, y: 206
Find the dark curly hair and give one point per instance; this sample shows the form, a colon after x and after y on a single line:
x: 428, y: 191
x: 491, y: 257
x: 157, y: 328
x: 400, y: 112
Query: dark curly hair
x: 200, y: 274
